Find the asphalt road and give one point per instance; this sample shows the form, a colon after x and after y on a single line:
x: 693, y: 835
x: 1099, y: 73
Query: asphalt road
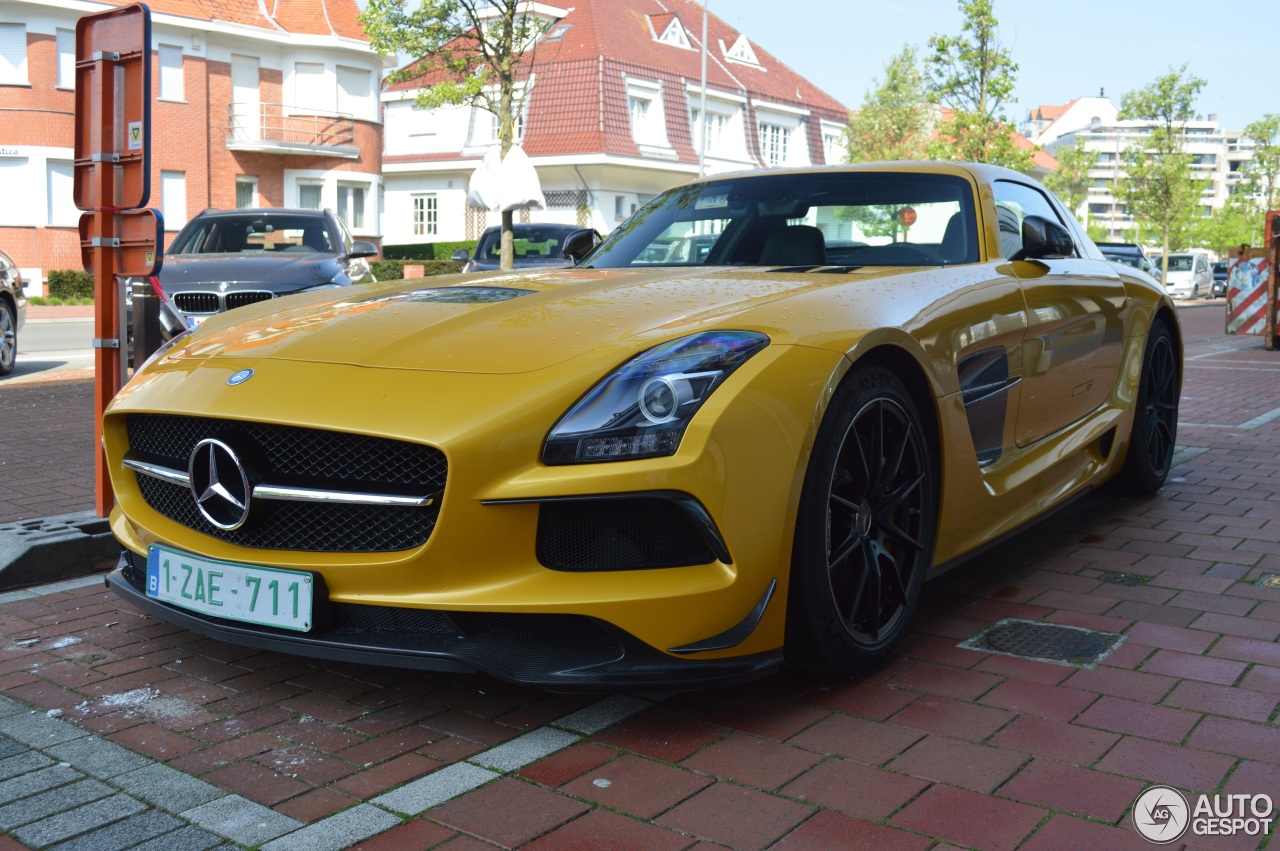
x: 48, y: 348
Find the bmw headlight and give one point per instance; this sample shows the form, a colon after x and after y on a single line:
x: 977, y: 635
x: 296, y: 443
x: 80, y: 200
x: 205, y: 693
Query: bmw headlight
x: 642, y: 409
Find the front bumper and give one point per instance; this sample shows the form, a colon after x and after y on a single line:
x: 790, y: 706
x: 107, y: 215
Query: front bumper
x: 566, y: 653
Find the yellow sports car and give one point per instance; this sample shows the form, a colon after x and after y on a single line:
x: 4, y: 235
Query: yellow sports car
x: 742, y: 430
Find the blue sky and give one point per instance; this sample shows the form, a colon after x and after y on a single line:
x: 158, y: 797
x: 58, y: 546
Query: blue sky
x: 1065, y: 48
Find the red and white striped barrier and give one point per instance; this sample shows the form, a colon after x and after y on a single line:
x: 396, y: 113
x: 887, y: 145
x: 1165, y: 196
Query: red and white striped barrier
x: 1247, y: 296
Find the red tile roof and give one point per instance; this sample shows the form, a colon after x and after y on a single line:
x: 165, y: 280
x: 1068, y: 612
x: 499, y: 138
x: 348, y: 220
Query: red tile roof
x: 579, y: 101
x: 311, y: 17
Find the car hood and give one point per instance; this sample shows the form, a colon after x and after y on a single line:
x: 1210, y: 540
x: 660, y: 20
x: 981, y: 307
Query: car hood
x: 1183, y: 277
x: 259, y: 271
x: 503, y: 322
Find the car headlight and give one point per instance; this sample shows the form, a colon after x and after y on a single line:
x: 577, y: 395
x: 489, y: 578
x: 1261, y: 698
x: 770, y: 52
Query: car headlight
x: 642, y: 409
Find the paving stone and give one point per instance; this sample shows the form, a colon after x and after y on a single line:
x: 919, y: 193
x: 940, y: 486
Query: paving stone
x: 79, y: 820
x: 99, y: 757
x: 638, y: 787
x: 978, y: 767
x: 603, y: 829
x: 1074, y: 790
x: 39, y: 730
x: 241, y: 820
x: 829, y: 829
x: 168, y: 788
x: 1066, y: 832
x: 338, y: 831
x: 8, y: 747
x: 23, y: 763
x: 1138, y: 719
x: 856, y: 789
x: 528, y: 748
x: 969, y: 819
x: 26, y: 785
x: 11, y: 707
x: 660, y: 736
x: 611, y: 710
x: 125, y: 834
x: 737, y: 817
x: 188, y: 838
x: 436, y: 788
x: 53, y: 801
x: 508, y: 812
x: 565, y: 765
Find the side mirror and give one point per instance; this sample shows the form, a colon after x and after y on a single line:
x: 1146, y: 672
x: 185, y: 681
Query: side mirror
x: 580, y: 245
x: 1043, y: 239
x: 360, y: 248
x: 460, y: 256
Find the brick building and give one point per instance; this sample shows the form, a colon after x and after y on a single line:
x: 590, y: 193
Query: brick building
x: 256, y: 104
x: 611, y: 120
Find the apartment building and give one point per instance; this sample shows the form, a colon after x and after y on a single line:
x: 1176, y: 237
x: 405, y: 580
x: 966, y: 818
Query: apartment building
x: 270, y: 105
x: 613, y: 118
x: 1217, y: 154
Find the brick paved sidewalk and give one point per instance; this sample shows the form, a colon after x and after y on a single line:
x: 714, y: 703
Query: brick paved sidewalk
x: 943, y: 746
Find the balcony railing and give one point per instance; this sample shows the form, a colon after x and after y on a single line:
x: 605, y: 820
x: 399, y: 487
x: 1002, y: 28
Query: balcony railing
x: 287, y: 129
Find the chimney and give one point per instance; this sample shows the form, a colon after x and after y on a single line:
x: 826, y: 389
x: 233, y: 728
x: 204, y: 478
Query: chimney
x: 1213, y: 116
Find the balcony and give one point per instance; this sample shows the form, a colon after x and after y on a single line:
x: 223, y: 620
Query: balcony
x: 274, y: 128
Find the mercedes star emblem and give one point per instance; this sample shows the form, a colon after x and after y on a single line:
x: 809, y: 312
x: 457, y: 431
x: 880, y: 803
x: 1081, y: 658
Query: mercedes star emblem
x: 240, y: 377
x: 219, y: 484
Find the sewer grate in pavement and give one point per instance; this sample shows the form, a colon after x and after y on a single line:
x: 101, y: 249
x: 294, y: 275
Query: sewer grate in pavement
x: 1045, y: 642
x: 1269, y: 580
x: 1124, y: 579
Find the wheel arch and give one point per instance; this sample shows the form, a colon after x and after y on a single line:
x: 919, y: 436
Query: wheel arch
x: 902, y: 364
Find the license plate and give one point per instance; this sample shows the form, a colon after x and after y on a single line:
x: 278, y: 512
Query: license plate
x: 266, y: 596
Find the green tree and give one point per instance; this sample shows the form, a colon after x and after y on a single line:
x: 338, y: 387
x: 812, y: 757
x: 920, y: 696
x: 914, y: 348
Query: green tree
x: 1158, y: 187
x: 1239, y: 221
x: 893, y: 121
x: 469, y: 52
x: 1071, y: 181
x: 1262, y: 172
x: 974, y: 75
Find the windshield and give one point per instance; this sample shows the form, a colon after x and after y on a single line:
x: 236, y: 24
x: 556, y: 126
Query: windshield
x: 801, y: 220
x: 1180, y: 262
x: 256, y: 232
x: 1126, y: 259
x: 532, y: 244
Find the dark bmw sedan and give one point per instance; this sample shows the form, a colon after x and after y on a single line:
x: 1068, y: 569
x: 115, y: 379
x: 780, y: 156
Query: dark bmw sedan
x: 224, y: 259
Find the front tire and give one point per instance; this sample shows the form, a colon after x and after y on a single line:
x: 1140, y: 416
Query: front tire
x: 8, y: 338
x: 865, y: 529
x: 1155, y: 422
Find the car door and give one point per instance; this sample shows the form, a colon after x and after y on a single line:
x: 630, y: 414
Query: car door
x: 1074, y: 337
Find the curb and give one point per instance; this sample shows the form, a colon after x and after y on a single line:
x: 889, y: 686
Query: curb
x: 49, y: 549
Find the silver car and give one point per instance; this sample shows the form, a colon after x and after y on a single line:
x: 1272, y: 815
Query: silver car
x: 1189, y: 276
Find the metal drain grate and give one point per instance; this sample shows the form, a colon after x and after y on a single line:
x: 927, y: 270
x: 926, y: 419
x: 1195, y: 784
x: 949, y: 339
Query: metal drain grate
x: 1045, y: 642
x: 1124, y: 579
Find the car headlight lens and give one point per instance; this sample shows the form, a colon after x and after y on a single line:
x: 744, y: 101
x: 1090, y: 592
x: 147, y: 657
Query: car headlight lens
x: 642, y: 409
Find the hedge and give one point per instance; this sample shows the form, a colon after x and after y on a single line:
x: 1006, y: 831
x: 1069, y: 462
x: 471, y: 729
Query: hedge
x: 416, y: 251
x: 393, y: 270
x: 70, y: 283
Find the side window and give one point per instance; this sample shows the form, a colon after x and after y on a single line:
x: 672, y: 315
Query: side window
x: 1014, y: 202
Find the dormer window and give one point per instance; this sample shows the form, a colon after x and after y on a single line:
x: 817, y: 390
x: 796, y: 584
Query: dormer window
x: 648, y: 117
x: 742, y: 52
x: 675, y: 35
x: 558, y: 33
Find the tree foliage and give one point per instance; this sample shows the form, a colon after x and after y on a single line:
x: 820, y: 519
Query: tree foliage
x: 894, y: 119
x: 469, y: 52
x: 974, y: 75
x: 1071, y: 181
x: 1238, y: 222
x: 1262, y: 172
x: 1158, y: 187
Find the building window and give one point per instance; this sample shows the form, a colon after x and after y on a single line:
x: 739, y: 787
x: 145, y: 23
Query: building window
x: 644, y: 105
x: 66, y: 42
x: 13, y: 53
x: 426, y: 220
x: 487, y: 127
x: 355, y: 92
x: 309, y: 194
x: 310, y: 92
x: 61, y: 203
x: 742, y: 51
x: 351, y: 204
x: 246, y: 191
x: 773, y: 143
x: 675, y: 35
x: 173, y: 198
x: 170, y: 73
x: 716, y: 127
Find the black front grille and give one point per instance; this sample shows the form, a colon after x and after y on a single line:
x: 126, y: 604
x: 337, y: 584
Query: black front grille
x: 235, y: 300
x: 298, y: 457
x: 619, y: 534
x: 196, y: 302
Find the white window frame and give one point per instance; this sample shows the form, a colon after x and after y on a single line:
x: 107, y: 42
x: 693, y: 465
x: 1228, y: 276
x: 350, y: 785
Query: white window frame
x: 355, y: 91
x: 313, y: 90
x: 318, y: 186
x: 59, y: 182
x: 172, y: 83
x: 741, y: 51
x: 426, y: 214
x: 66, y: 45
x: 252, y: 182
x: 13, y: 55
x: 353, y: 203
x: 646, y: 113
x: 774, y: 139
x: 173, y: 199
x: 675, y: 35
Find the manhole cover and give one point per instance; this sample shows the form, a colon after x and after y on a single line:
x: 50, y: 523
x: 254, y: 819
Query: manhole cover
x: 1046, y: 642
x: 1123, y: 579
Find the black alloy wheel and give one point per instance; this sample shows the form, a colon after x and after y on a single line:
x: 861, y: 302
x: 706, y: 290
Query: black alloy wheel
x: 1155, y: 419
x: 8, y: 338
x: 866, y: 527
